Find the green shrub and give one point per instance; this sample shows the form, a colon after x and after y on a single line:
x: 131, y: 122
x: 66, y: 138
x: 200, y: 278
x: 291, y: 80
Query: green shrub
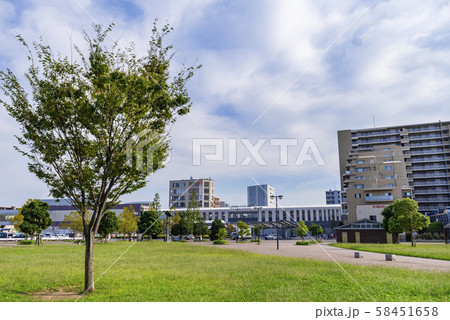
x: 302, y: 243
x: 25, y: 242
x: 206, y: 236
x: 255, y: 240
x: 205, y: 240
x: 220, y: 242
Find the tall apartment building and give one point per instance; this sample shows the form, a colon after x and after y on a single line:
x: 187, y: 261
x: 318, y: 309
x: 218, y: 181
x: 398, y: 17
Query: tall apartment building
x: 425, y: 150
x: 333, y: 196
x: 374, y: 178
x: 260, y: 195
x: 180, y: 192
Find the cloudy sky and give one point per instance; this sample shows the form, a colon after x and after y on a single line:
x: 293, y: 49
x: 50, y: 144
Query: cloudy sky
x: 291, y: 70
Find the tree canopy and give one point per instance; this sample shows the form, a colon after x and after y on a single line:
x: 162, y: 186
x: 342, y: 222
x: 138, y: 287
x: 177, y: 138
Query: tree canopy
x: 36, y: 218
x: 96, y: 125
x: 109, y: 224
x: 403, y: 216
x: 302, y: 229
x: 315, y: 229
x: 216, y: 225
x: 127, y: 221
x: 150, y: 222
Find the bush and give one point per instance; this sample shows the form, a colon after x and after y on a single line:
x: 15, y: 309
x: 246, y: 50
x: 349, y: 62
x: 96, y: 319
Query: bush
x: 220, y: 242
x: 255, y: 240
x: 302, y: 243
x: 25, y: 242
x: 205, y: 240
x: 206, y: 236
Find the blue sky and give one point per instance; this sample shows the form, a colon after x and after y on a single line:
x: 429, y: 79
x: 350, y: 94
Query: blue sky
x: 390, y: 61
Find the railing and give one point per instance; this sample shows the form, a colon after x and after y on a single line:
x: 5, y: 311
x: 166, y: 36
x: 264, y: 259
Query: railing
x: 427, y: 151
x: 423, y: 129
x: 379, y: 198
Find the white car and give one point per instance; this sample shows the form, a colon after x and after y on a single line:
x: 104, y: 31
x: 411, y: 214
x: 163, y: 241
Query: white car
x: 271, y: 237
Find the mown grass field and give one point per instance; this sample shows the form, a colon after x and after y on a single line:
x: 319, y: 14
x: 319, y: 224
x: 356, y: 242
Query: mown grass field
x: 182, y: 272
x: 422, y: 250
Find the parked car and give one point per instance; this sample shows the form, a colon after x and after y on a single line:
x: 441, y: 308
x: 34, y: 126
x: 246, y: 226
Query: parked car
x: 271, y: 236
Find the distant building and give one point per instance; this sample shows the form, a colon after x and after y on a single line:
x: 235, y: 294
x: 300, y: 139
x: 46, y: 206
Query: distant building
x: 260, y: 195
x: 223, y: 204
x: 216, y: 202
x: 374, y: 178
x: 333, y: 196
x: 180, y: 192
x: 425, y: 148
x: 327, y: 216
x: 364, y: 231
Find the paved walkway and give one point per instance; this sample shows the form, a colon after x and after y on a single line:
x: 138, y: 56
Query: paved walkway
x: 325, y: 252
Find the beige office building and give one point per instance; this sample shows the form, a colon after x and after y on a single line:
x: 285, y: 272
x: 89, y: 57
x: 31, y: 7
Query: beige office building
x: 373, y: 178
x: 423, y: 148
x: 180, y: 192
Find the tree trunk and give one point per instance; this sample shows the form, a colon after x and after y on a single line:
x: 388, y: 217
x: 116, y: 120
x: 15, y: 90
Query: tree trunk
x: 89, y: 263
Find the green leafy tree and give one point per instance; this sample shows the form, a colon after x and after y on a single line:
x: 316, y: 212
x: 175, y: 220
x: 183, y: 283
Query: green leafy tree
x: 406, y: 218
x: 192, y: 212
x: 315, y: 229
x: 216, y: 225
x: 17, y: 220
x: 230, y: 228
x: 181, y: 228
x: 35, y: 218
x: 302, y: 229
x: 436, y: 226
x: 128, y: 221
x: 74, y: 221
x: 88, y: 114
x: 244, y: 230
x: 109, y: 224
x: 257, y: 230
x: 222, y: 234
x: 150, y: 223
x: 200, y: 227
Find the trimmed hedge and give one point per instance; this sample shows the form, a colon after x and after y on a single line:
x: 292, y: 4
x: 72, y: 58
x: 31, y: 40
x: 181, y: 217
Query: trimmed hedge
x: 25, y: 242
x: 303, y: 243
x: 255, y: 240
x: 220, y: 242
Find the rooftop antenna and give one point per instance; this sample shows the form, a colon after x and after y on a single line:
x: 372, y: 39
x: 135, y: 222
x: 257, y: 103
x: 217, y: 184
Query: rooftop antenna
x: 373, y: 117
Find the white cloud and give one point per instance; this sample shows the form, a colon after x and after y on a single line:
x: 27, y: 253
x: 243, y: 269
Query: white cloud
x: 392, y: 63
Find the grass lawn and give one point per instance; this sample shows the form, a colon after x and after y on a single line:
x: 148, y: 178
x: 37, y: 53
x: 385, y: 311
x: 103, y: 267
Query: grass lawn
x: 422, y: 250
x: 158, y: 271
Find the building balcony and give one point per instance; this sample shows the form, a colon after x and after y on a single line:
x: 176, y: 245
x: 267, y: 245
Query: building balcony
x: 417, y: 168
x: 431, y: 151
x: 425, y: 129
x: 379, y: 198
x: 430, y: 175
x: 439, y: 199
x: 428, y: 183
x: 431, y: 159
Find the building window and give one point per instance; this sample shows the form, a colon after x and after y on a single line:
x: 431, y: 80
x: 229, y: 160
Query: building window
x: 358, y: 195
x: 360, y: 161
x: 388, y: 168
x: 406, y: 194
x: 360, y: 178
x: 390, y: 185
x: 373, y: 218
x: 359, y: 186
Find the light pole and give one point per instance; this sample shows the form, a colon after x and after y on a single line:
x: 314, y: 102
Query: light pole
x: 168, y: 215
x: 276, y: 216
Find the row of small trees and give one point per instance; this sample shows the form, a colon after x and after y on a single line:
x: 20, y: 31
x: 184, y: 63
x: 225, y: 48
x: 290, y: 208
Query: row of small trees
x: 34, y: 217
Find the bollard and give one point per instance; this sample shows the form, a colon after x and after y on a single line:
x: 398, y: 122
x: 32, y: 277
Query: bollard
x: 389, y: 257
x: 358, y: 255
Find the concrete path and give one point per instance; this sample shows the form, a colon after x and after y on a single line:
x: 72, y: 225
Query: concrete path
x: 325, y: 252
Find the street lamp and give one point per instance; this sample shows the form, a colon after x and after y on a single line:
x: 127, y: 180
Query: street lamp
x: 168, y: 215
x: 276, y: 216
